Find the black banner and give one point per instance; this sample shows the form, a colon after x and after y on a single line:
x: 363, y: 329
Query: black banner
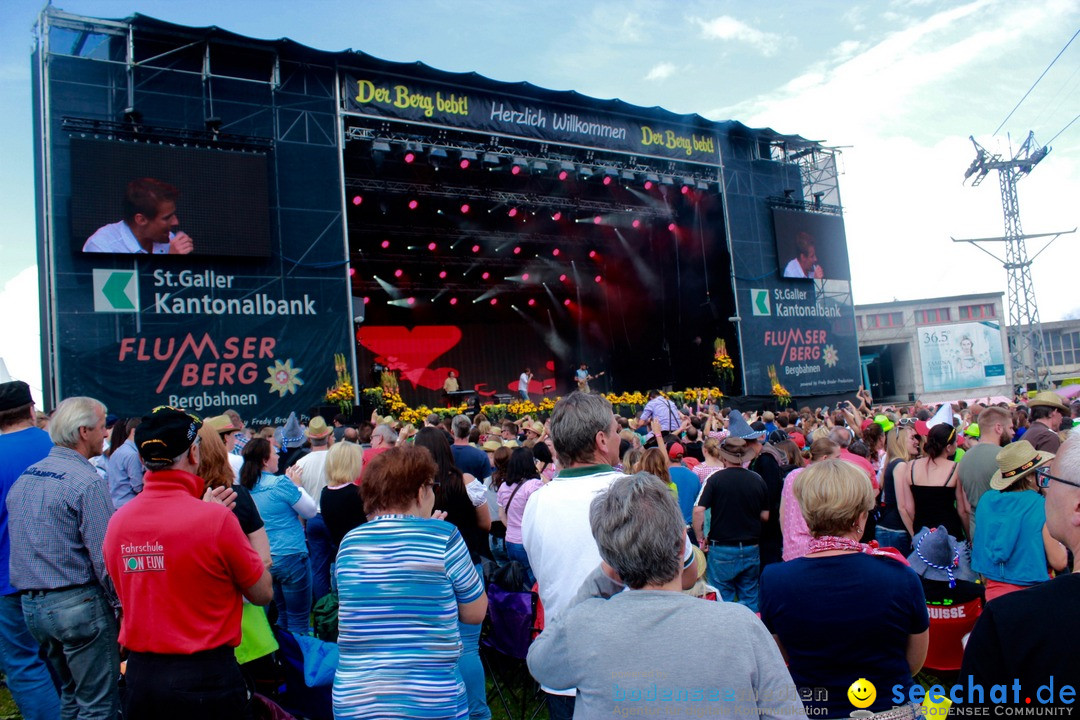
x: 409, y: 100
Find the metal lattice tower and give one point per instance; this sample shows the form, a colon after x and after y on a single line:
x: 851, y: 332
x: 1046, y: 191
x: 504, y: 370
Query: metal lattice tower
x: 1026, y: 347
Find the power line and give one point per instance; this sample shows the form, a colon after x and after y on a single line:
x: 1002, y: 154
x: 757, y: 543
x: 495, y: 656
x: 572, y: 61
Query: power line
x: 1036, y: 83
x: 1063, y: 129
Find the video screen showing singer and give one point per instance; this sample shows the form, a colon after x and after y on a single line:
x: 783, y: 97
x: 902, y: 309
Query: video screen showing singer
x: 149, y: 225
x: 805, y: 262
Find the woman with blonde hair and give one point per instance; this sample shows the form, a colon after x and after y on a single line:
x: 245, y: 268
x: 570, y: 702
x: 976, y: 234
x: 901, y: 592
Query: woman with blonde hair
x: 655, y: 462
x: 792, y: 524
x: 711, y: 450
x: 845, y: 610
x: 901, y: 446
x: 341, y: 500
x: 216, y: 472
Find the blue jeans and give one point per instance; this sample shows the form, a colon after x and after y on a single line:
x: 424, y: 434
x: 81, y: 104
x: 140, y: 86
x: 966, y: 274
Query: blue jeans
x: 321, y: 552
x: 472, y: 670
x: 560, y: 707
x: 734, y: 571
x: 292, y: 592
x: 898, y: 539
x: 79, y: 632
x: 28, y: 676
x: 516, y: 551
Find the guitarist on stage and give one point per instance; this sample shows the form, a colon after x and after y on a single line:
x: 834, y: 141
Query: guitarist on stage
x: 583, y: 377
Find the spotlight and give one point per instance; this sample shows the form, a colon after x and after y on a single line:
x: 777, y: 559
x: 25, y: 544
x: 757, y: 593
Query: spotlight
x: 494, y: 301
x: 453, y: 301
x: 385, y: 244
x: 566, y: 302
x: 413, y: 204
x: 667, y: 180
x: 517, y: 250
x: 513, y: 212
x: 409, y: 157
x: 597, y: 278
x: 442, y: 275
x: 555, y: 252
x: 584, y: 171
x: 366, y: 299
x: 592, y: 253
x: 557, y: 216
x: 648, y: 184
x: 532, y: 301
x: 352, y: 272
x: 671, y: 227
x: 607, y: 179
x: 702, y: 185
x: 380, y: 146
x: 539, y: 166
x: 515, y: 170
x: 685, y: 190
x: 411, y: 301
x: 467, y: 157
x: 398, y: 273
x: 437, y: 152
x: 491, y: 159
x: 629, y: 176
x: 525, y: 277
x: 464, y: 164
x: 465, y: 208
x: 562, y: 278
x: 636, y: 223
x: 476, y: 248
x: 431, y: 246
x: 563, y: 175
x: 357, y: 200
x: 597, y: 220
x: 517, y: 165
x: 486, y: 275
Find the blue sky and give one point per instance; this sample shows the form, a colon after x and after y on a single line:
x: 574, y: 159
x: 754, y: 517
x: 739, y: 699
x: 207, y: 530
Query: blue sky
x: 898, y: 84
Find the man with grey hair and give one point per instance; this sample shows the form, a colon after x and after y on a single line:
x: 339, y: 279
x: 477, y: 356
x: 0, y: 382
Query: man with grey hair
x: 555, y: 526
x: 58, y: 511
x: 843, y: 436
x: 1025, y: 637
x: 640, y: 533
x: 469, y: 459
x: 383, y: 438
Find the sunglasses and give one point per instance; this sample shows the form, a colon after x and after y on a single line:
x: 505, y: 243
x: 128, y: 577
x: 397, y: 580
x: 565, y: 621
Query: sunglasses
x: 905, y: 422
x: 1043, y: 478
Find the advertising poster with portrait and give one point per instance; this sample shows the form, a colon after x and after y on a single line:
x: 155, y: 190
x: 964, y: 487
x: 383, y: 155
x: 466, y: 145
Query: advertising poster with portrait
x: 961, y: 356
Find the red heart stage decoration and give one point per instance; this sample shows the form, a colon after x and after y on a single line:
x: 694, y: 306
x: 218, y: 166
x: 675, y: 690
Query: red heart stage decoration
x: 410, y: 352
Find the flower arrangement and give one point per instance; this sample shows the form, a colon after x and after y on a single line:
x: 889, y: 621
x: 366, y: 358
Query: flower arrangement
x: 722, y: 364
x: 342, y: 393
x: 783, y: 397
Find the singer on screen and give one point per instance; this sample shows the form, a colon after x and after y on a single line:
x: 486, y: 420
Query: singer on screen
x: 149, y: 225
x: 805, y: 263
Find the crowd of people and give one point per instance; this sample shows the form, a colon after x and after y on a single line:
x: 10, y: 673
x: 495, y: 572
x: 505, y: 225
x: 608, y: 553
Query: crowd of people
x: 152, y: 547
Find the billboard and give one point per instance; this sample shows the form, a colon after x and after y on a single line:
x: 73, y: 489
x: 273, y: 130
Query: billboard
x: 130, y: 197
x: 961, y: 356
x: 810, y: 246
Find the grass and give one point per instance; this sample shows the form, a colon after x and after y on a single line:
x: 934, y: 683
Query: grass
x: 8, y: 710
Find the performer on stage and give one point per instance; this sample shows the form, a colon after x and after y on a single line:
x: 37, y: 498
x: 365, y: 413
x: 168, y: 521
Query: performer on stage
x: 583, y: 377
x: 523, y: 384
x: 450, y: 385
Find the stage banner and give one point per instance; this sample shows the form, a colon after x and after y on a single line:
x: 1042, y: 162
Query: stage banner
x: 805, y: 332
x: 394, y: 97
x: 150, y: 332
x: 961, y: 356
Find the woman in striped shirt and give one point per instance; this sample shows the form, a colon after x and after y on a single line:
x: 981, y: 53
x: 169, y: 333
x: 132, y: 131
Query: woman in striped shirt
x: 404, y: 580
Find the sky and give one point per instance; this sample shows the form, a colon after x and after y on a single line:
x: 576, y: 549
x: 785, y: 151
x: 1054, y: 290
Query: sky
x: 897, y: 85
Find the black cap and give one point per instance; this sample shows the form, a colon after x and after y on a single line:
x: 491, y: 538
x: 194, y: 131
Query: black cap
x: 165, y: 434
x: 14, y: 394
x: 778, y: 436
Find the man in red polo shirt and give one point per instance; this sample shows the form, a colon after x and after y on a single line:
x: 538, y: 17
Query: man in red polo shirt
x: 181, y: 567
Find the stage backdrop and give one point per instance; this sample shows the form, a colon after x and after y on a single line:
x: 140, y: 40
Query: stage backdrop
x: 961, y: 356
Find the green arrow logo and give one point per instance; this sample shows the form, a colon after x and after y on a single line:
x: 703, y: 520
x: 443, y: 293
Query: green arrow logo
x: 115, y: 291
x: 760, y: 301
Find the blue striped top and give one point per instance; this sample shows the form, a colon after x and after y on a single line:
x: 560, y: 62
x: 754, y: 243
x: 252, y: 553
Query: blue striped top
x: 400, y: 579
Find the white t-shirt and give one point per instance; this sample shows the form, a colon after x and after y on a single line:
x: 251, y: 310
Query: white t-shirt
x: 118, y: 238
x: 313, y: 478
x: 794, y: 269
x: 523, y: 383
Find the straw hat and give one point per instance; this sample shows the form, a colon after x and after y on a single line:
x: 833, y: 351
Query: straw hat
x: 220, y: 424
x: 1049, y: 398
x: 1016, y: 460
x: 491, y: 445
x: 317, y: 428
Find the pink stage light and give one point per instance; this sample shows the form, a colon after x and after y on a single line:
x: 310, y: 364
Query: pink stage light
x: 685, y: 190
x: 486, y: 275
x: 366, y: 299
x: 431, y: 246
x: 476, y: 248
x: 385, y: 244
x: 352, y: 271
x: 562, y: 278
x: 597, y: 278
x: 532, y: 301
x: 517, y: 250
x: 671, y: 227
x: 494, y: 301
x: 442, y: 275
x: 636, y: 223
x: 607, y: 179
x: 555, y: 252
x: 357, y: 200
x: 409, y: 157
x: 453, y: 301
x: 515, y: 170
x: 413, y: 204
x: 566, y: 302
x: 557, y: 216
x: 648, y: 184
x: 399, y: 272
x: 513, y: 212
x: 464, y: 164
x: 465, y: 208
x: 525, y: 277
x: 411, y: 301
x: 563, y: 175
x: 592, y: 253
x: 597, y: 220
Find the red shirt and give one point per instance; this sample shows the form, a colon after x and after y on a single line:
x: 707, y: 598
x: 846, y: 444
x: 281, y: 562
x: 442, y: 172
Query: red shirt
x: 179, y: 566
x: 863, y: 464
x: 368, y: 456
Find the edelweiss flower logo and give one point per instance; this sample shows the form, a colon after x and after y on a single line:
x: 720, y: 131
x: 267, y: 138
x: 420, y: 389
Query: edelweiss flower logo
x: 831, y: 356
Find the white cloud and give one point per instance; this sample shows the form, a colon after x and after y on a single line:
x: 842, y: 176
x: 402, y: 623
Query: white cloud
x: 20, y: 341
x: 661, y: 72
x: 630, y: 29
x: 728, y: 28
x: 846, y: 49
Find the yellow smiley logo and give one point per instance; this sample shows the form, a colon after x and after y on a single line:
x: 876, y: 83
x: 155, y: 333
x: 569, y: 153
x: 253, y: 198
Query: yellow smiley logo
x: 862, y: 693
